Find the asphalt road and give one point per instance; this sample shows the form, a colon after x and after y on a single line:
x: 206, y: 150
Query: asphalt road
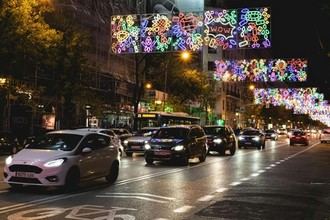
x: 280, y: 182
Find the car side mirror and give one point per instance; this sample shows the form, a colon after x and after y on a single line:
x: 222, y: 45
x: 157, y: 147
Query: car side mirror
x: 86, y: 150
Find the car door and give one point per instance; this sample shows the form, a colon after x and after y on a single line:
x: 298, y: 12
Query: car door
x: 106, y: 153
x: 89, y: 161
x: 201, y: 140
x: 192, y: 141
x: 230, y: 137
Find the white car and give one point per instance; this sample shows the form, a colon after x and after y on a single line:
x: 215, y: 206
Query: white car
x: 63, y: 158
x: 115, y: 138
x: 325, y: 136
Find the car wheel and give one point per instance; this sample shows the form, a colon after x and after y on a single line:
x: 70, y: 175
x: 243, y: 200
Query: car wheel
x: 149, y: 160
x: 129, y: 154
x: 15, y: 186
x: 259, y: 147
x: 291, y: 144
x: 232, y: 150
x: 202, y: 158
x: 263, y: 146
x: 113, y: 174
x: 72, y: 179
x: 184, y: 160
x: 222, y: 152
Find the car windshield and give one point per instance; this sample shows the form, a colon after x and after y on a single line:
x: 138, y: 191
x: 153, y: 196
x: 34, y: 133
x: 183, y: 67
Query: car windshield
x: 146, y: 132
x: 270, y: 131
x: 120, y: 131
x: 172, y: 133
x: 214, y: 130
x: 64, y: 142
x: 251, y: 132
x: 298, y: 133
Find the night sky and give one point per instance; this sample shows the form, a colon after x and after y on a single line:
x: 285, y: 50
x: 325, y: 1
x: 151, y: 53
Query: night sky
x: 298, y: 30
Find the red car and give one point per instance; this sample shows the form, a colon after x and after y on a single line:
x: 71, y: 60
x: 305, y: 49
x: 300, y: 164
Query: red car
x: 299, y: 137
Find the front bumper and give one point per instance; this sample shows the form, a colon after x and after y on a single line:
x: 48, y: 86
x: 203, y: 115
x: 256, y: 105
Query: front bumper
x: 164, y: 155
x: 46, y: 177
x: 249, y: 143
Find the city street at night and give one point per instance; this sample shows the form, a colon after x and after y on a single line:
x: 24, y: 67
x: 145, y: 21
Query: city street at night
x: 164, y: 110
x: 280, y: 182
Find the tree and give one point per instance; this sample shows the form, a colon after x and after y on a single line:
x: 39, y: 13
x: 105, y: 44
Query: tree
x: 27, y: 42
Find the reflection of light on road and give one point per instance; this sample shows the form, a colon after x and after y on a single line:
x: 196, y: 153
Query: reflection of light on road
x: 205, y: 198
x: 245, y: 179
x: 261, y: 171
x: 220, y: 190
x: 255, y: 174
x: 183, y: 209
x: 235, y: 183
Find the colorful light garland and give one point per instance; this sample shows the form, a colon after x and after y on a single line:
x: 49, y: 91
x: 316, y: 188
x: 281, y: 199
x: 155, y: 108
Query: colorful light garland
x: 271, y: 70
x: 228, y: 29
x: 300, y: 100
x: 238, y: 28
x: 125, y: 34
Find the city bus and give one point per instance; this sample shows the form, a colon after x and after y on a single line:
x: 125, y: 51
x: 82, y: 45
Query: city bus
x: 161, y: 119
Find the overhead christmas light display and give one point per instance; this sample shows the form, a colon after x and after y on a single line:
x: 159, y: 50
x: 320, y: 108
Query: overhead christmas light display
x: 300, y: 100
x: 237, y: 28
x: 161, y: 32
x: 264, y: 70
x: 228, y: 29
x: 125, y: 34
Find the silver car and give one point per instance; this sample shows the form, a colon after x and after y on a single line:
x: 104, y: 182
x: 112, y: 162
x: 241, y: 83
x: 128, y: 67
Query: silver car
x: 135, y: 144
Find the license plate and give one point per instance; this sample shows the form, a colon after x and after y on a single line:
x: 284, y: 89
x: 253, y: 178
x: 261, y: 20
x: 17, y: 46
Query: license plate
x: 248, y: 143
x: 162, y: 153
x: 24, y: 174
x: 135, y: 147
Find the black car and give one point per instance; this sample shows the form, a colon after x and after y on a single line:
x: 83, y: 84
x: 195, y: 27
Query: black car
x: 178, y: 143
x: 251, y: 138
x: 220, y: 139
x: 9, y: 143
x: 271, y: 134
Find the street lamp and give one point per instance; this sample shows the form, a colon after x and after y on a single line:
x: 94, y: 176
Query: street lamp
x: 148, y: 85
x: 185, y: 56
x: 252, y: 87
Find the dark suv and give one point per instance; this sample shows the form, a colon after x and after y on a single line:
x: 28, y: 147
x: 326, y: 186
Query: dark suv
x: 177, y: 143
x: 220, y: 139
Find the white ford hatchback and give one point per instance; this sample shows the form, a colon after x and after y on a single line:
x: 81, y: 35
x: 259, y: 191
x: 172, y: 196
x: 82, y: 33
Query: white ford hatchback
x: 63, y: 158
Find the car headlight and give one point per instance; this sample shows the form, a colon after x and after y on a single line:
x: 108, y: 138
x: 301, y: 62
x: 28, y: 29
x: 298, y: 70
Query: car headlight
x: 147, y: 146
x: 55, y: 163
x: 217, y: 141
x: 256, y: 138
x: 178, y: 148
x: 9, y: 160
x: 125, y: 142
x: 273, y: 135
x: 240, y: 138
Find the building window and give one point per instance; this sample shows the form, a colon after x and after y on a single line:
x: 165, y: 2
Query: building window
x: 212, y: 50
x: 211, y: 66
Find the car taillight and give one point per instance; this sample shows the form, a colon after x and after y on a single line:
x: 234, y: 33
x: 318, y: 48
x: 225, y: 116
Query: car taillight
x: 304, y: 136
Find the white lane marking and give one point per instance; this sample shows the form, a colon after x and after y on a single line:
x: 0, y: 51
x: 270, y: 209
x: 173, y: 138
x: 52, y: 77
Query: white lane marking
x: 161, y: 219
x: 4, y: 191
x: 205, y: 198
x: 25, y: 203
x: 255, y: 174
x: 183, y: 209
x: 123, y: 182
x: 261, y: 171
x: 235, y: 183
x: 40, y: 203
x: 220, y: 190
x: 273, y: 165
x: 133, y: 197
x: 278, y: 162
x: 245, y: 179
x: 142, y: 194
x: 268, y: 168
